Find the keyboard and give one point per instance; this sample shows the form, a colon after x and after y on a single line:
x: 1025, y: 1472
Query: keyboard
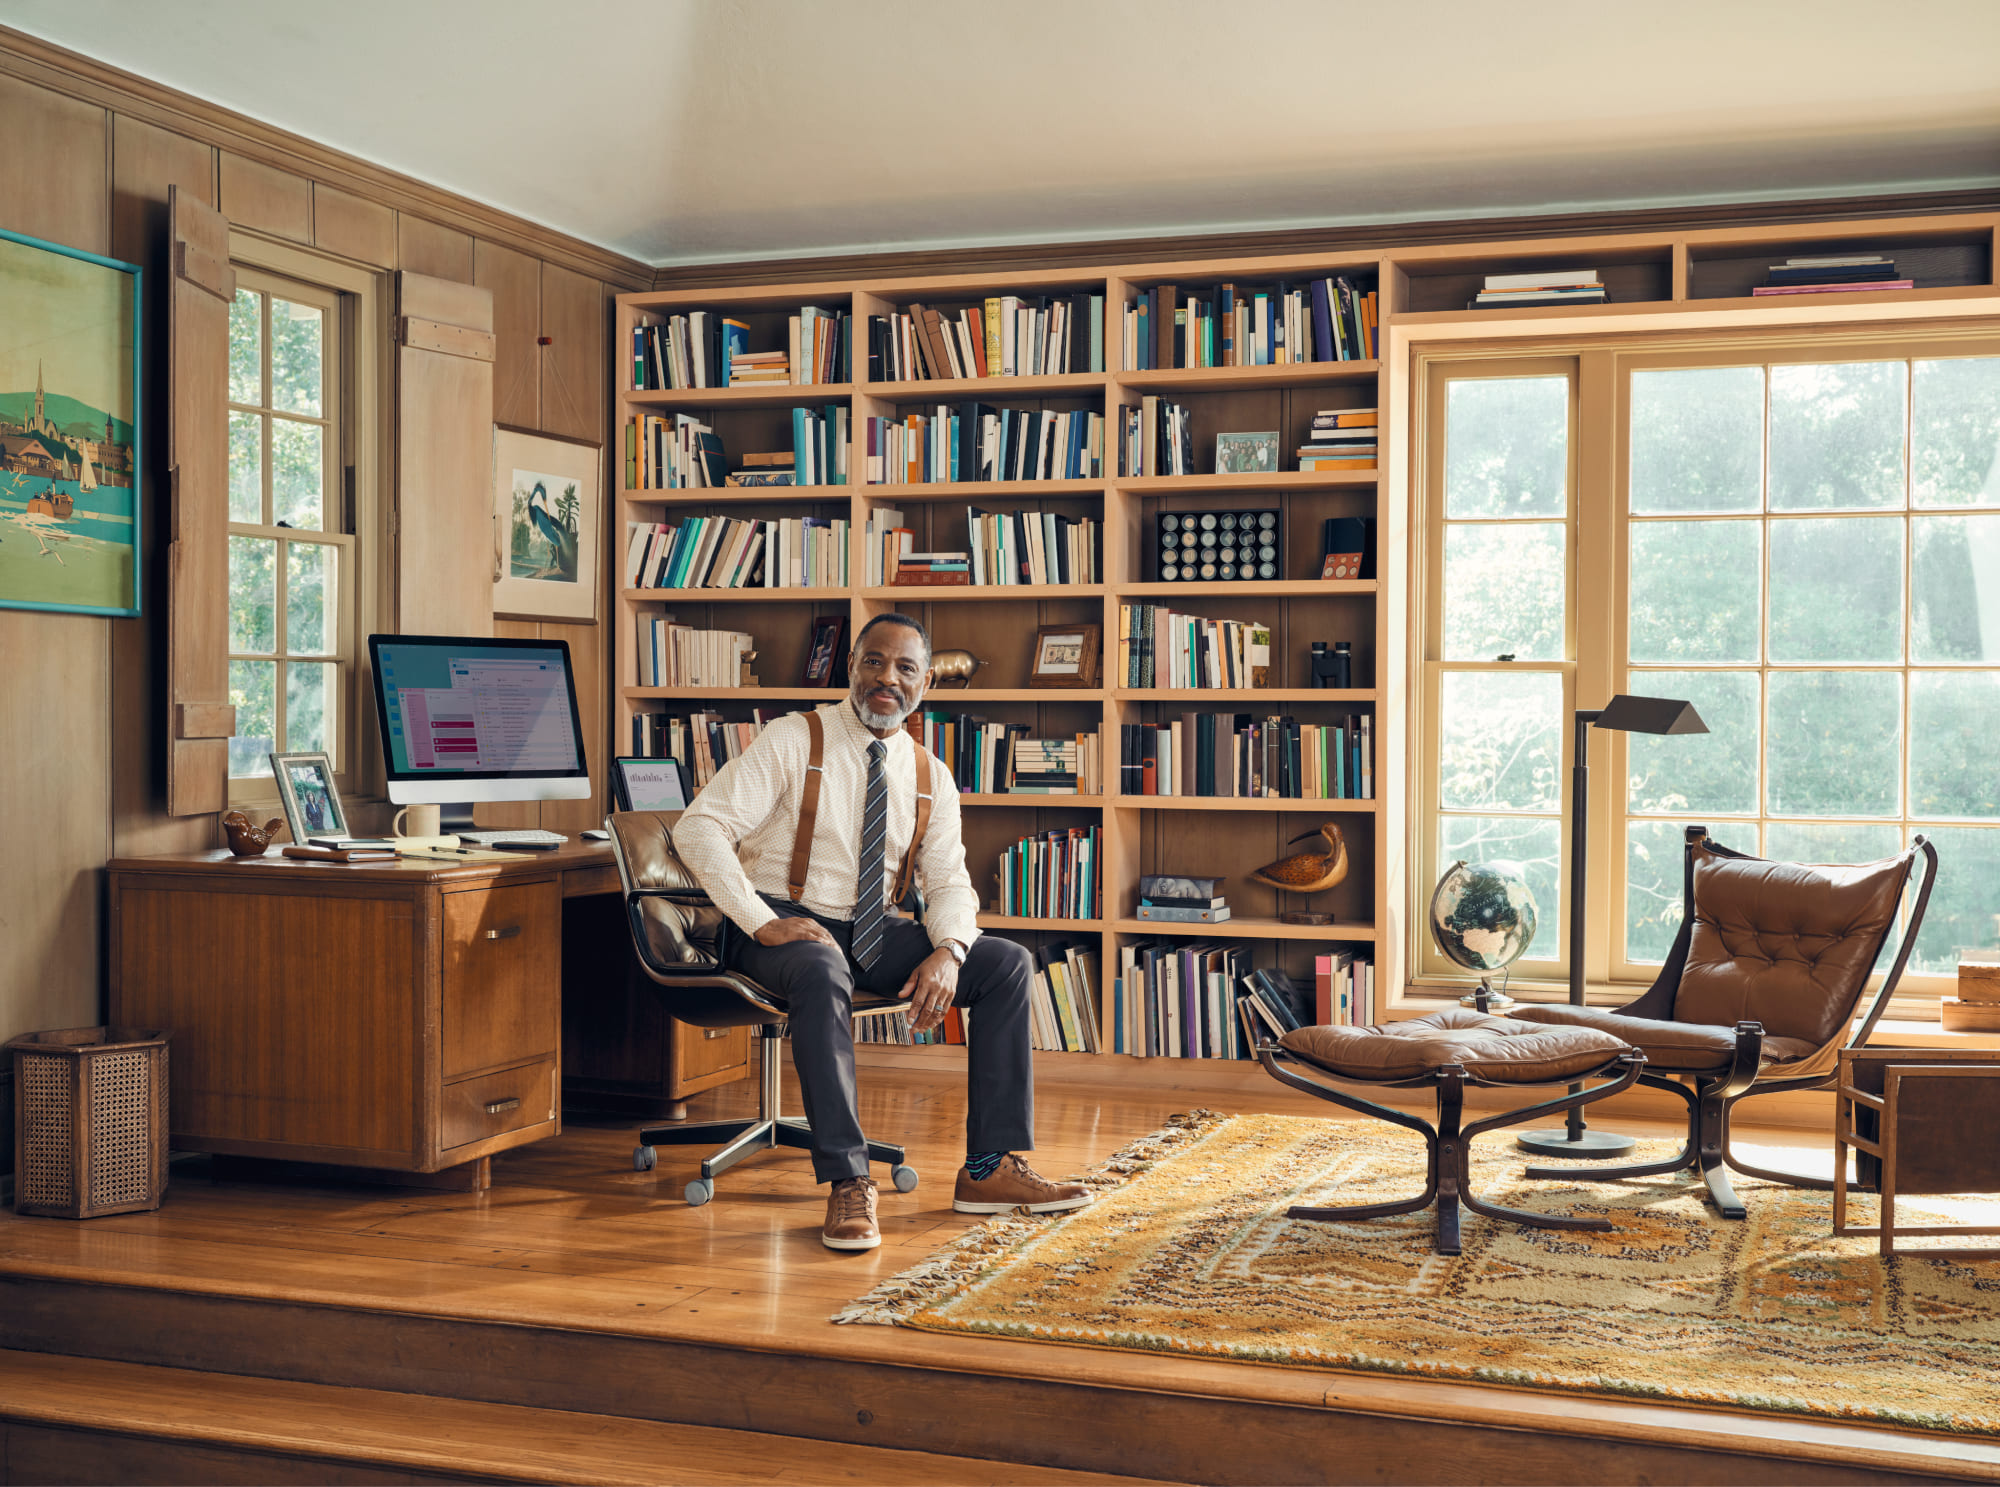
x: 495, y: 838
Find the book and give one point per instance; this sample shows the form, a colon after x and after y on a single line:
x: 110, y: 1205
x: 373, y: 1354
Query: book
x: 1169, y: 886
x: 1181, y: 916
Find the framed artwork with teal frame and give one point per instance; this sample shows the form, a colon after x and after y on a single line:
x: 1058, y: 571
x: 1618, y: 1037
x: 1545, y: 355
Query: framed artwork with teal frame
x: 69, y: 429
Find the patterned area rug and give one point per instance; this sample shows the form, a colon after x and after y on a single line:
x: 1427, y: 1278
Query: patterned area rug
x: 1187, y: 1250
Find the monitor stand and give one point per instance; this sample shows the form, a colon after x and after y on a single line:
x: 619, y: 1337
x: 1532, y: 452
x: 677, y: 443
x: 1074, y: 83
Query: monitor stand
x: 455, y: 817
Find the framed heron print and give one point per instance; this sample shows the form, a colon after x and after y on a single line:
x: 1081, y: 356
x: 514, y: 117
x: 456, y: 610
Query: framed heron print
x: 548, y: 505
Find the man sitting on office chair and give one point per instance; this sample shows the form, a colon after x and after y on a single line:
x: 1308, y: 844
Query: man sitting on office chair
x: 737, y: 839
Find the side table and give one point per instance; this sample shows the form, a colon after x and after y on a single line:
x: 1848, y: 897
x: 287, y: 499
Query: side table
x: 1926, y: 1116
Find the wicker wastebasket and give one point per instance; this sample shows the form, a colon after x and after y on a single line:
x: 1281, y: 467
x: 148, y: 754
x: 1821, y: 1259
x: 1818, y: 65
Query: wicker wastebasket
x: 90, y: 1121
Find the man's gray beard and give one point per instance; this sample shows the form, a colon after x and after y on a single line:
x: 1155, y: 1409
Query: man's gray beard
x: 873, y: 719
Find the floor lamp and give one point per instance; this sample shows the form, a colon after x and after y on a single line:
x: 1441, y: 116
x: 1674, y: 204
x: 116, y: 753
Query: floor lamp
x: 1622, y: 714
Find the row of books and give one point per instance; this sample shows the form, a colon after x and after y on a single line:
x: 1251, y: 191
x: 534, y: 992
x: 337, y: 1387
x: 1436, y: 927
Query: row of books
x: 1832, y: 274
x: 672, y: 655
x: 1156, y: 438
x: 1341, y: 439
x: 1159, y: 648
x: 1175, y: 999
x: 1031, y: 547
x: 672, y: 452
x: 703, y: 742
x: 976, y: 441
x: 1063, y: 997
x: 1236, y: 755
x: 1575, y: 286
x: 705, y: 348
x: 1052, y: 875
x: 988, y: 758
x: 722, y: 552
x: 1342, y: 994
x: 1007, y: 336
x: 1326, y: 319
x: 894, y: 1028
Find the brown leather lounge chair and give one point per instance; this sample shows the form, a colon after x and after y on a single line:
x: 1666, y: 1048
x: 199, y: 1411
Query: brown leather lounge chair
x: 1757, y: 995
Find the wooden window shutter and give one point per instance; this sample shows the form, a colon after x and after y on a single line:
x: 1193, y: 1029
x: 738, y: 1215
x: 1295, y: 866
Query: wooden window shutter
x: 200, y: 717
x: 444, y: 457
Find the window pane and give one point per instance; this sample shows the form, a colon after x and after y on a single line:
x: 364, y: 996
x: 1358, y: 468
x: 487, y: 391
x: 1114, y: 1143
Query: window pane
x: 1963, y: 919
x: 253, y: 689
x: 253, y: 595
x: 297, y: 473
x: 1837, y: 436
x: 1955, y: 588
x: 1834, y: 737
x: 1697, y: 774
x: 311, y: 615
x: 1956, y: 431
x: 1829, y: 841
x: 1698, y: 440
x: 1533, y: 844
x: 1503, y: 591
x: 1954, y: 721
x: 1654, y: 882
x: 246, y: 468
x: 1507, y: 447
x: 1697, y: 588
x: 1837, y: 589
x: 246, y: 347
x: 297, y: 356
x: 309, y: 719
x: 1501, y: 743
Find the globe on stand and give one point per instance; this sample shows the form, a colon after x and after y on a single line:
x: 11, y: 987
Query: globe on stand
x: 1483, y: 918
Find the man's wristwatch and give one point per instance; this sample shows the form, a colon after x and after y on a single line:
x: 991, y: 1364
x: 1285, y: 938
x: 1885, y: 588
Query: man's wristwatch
x: 955, y: 950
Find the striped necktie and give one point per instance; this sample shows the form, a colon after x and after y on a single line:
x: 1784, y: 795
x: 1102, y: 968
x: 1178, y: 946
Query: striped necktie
x: 870, y: 914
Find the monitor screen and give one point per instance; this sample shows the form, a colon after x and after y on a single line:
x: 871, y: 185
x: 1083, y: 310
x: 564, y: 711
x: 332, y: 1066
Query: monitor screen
x: 476, y: 709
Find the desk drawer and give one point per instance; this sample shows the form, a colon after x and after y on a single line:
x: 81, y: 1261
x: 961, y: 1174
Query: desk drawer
x: 494, y: 1104
x: 502, y: 976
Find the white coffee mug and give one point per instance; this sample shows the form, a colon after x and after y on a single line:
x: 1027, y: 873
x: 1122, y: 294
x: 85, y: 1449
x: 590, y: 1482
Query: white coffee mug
x: 423, y: 820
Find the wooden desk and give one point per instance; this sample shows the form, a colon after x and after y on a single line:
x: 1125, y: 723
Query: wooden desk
x: 400, y: 1016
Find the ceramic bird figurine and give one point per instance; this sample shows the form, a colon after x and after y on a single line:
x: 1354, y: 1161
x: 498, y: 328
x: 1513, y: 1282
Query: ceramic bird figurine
x: 954, y: 666
x: 246, y: 839
x: 1308, y: 872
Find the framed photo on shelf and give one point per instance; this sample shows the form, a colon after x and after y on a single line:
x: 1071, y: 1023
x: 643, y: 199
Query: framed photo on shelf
x: 826, y: 656
x: 307, y: 792
x: 69, y: 429
x: 642, y: 784
x: 548, y: 520
x: 1246, y: 454
x: 1065, y: 656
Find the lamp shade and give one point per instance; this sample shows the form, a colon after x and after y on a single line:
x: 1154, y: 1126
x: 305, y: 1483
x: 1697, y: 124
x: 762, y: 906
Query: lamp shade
x: 1623, y: 714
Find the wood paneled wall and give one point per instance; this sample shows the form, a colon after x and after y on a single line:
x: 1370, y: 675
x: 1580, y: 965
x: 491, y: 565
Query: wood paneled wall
x: 89, y: 156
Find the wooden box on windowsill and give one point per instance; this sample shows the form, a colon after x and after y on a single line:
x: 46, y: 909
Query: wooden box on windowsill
x: 1979, y: 981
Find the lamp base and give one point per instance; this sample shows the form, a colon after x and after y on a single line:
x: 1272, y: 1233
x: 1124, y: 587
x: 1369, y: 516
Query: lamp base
x: 1589, y: 1146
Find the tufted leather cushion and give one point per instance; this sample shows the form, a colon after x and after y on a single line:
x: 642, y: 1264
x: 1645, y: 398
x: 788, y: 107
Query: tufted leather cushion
x: 675, y: 932
x: 1486, y: 1047
x: 1677, y: 1047
x: 1786, y: 944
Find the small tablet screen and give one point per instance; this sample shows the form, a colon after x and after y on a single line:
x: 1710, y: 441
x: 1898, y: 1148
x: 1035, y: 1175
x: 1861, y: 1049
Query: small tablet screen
x: 650, y: 785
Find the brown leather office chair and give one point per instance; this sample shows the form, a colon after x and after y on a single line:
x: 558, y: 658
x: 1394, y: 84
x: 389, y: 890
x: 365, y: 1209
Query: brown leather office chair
x: 674, y: 931
x: 1757, y: 994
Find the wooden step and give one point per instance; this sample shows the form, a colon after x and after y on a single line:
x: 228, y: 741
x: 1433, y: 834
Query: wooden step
x: 69, y: 1420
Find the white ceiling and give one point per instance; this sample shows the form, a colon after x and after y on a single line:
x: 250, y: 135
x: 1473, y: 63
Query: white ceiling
x: 688, y: 130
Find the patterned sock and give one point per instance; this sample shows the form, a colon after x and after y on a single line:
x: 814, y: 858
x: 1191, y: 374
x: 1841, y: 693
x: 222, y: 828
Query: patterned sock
x: 981, y: 1165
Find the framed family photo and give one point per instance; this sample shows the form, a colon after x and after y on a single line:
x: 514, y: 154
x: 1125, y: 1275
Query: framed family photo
x: 548, y: 520
x: 1065, y: 656
x: 69, y: 429
x: 308, y: 795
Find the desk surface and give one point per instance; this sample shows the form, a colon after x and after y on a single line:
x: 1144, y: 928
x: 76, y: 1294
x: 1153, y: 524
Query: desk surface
x: 567, y: 859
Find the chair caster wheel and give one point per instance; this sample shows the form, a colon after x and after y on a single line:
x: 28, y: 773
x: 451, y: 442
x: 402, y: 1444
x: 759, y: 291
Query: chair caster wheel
x: 698, y: 1192
x: 644, y: 1158
x: 905, y: 1179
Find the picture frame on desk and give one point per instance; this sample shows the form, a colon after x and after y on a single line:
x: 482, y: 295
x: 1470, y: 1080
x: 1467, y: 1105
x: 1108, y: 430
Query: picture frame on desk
x: 1066, y: 656
x: 826, y: 656
x: 309, y: 796
x: 548, y: 526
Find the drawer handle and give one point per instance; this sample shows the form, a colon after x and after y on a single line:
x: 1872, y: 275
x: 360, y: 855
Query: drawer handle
x: 503, y: 934
x: 715, y: 1032
x: 501, y: 1107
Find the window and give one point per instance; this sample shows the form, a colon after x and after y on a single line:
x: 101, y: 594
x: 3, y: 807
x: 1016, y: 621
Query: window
x: 1803, y: 542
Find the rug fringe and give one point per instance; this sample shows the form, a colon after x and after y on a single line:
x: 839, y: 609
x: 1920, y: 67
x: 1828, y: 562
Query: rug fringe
x: 962, y: 1262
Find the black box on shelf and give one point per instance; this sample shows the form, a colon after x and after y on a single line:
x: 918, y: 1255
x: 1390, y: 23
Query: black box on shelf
x: 1219, y: 546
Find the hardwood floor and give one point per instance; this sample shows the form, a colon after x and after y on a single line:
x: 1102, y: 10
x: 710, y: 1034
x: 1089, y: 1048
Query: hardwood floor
x: 577, y: 1284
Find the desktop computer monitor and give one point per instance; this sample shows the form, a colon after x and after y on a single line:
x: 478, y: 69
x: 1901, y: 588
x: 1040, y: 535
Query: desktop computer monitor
x: 477, y: 719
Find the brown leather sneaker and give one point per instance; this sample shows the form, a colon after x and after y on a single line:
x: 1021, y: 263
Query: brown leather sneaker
x: 1014, y: 1184
x: 850, y: 1215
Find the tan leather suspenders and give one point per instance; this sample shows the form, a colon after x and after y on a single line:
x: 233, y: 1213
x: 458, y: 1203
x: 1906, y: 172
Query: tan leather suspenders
x: 809, y: 815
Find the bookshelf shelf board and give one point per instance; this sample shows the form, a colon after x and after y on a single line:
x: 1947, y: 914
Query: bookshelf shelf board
x: 1035, y: 801
x: 921, y: 593
x: 985, y: 389
x: 990, y: 920
x: 1232, y: 379
x: 735, y: 694
x: 1546, y: 312
x: 937, y: 697
x: 1286, y: 588
x: 1251, y: 694
x: 982, y: 490
x: 1277, y: 481
x: 727, y: 596
x: 1265, y: 804
x: 755, y: 395
x: 1247, y: 928
x: 1877, y: 297
x: 733, y: 495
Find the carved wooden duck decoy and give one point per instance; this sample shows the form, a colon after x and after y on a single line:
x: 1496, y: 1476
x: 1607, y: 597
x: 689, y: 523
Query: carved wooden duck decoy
x: 1308, y: 872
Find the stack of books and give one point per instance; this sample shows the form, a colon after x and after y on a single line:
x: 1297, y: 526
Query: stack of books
x: 698, y: 349
x: 1171, y: 999
x: 1159, y: 648
x: 1053, y: 875
x: 1055, y: 766
x: 703, y: 742
x: 1574, y: 286
x: 816, y: 347
x: 748, y: 368
x: 1234, y: 755
x: 1228, y: 325
x: 1007, y: 336
x: 1063, y: 998
x: 672, y: 452
x: 1277, y: 1002
x: 1176, y: 900
x: 774, y: 467
x: 976, y: 441
x: 1850, y: 274
x: 819, y: 445
x: 672, y: 655
x: 1031, y: 547
x: 1156, y: 438
x: 1341, y: 439
x: 1342, y: 995
x: 930, y: 569
x: 722, y: 552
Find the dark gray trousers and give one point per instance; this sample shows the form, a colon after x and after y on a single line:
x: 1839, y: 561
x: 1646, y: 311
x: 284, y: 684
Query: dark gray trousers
x: 818, y: 983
